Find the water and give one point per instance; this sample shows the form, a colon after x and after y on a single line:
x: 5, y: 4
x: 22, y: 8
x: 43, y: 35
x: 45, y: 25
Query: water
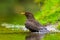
x: 54, y: 33
x: 29, y: 36
x: 50, y: 27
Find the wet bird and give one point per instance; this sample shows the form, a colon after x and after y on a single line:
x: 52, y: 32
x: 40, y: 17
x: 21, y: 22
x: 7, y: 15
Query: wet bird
x: 32, y: 24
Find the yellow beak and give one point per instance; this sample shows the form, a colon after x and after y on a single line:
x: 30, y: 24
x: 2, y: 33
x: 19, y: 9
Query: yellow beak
x: 22, y: 13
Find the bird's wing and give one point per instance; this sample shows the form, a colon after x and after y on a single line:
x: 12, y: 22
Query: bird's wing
x: 32, y: 25
x: 37, y: 23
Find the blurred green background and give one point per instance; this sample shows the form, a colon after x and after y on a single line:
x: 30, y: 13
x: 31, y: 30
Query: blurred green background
x: 45, y: 11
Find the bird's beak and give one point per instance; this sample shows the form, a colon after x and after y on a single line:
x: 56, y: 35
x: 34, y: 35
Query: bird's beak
x: 22, y: 13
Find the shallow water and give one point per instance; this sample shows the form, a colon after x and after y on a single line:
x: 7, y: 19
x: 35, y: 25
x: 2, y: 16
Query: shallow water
x: 29, y: 36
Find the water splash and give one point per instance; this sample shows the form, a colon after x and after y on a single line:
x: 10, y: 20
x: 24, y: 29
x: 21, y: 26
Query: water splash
x: 14, y: 27
x: 50, y: 28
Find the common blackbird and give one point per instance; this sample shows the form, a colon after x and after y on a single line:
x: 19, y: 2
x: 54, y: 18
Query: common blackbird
x: 32, y: 24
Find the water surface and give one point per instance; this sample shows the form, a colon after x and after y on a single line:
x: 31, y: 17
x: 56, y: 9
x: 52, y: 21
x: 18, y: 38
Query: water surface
x: 29, y: 36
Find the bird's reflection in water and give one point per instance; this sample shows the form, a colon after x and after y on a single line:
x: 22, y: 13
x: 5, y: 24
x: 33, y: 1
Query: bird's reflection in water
x: 34, y: 36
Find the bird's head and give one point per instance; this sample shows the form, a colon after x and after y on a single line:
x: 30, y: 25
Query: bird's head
x: 28, y: 15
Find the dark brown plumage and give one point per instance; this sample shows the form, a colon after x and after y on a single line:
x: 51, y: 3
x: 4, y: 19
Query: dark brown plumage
x: 31, y: 23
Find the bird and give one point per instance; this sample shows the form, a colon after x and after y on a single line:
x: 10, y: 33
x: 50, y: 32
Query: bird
x: 32, y: 24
